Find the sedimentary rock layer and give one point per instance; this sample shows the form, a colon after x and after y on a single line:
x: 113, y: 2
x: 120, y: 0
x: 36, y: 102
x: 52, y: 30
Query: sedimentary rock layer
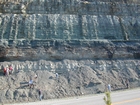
x: 75, y: 78
x: 25, y: 25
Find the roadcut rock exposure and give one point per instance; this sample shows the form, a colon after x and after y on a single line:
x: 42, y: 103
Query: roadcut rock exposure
x: 89, y: 43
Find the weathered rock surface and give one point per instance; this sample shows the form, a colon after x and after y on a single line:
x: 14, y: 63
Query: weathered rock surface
x: 75, y: 78
x: 59, y: 25
x: 90, y: 43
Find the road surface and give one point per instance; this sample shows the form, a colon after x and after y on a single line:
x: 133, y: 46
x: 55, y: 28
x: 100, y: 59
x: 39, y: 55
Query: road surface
x: 127, y: 97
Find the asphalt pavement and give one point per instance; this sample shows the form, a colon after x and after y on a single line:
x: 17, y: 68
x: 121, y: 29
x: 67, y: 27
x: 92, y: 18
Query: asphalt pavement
x: 123, y: 97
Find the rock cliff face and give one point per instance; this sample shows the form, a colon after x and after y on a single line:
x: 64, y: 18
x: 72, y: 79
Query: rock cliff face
x: 90, y: 43
x: 29, y: 24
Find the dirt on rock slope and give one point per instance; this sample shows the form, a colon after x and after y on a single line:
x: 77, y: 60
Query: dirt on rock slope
x: 81, y: 81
